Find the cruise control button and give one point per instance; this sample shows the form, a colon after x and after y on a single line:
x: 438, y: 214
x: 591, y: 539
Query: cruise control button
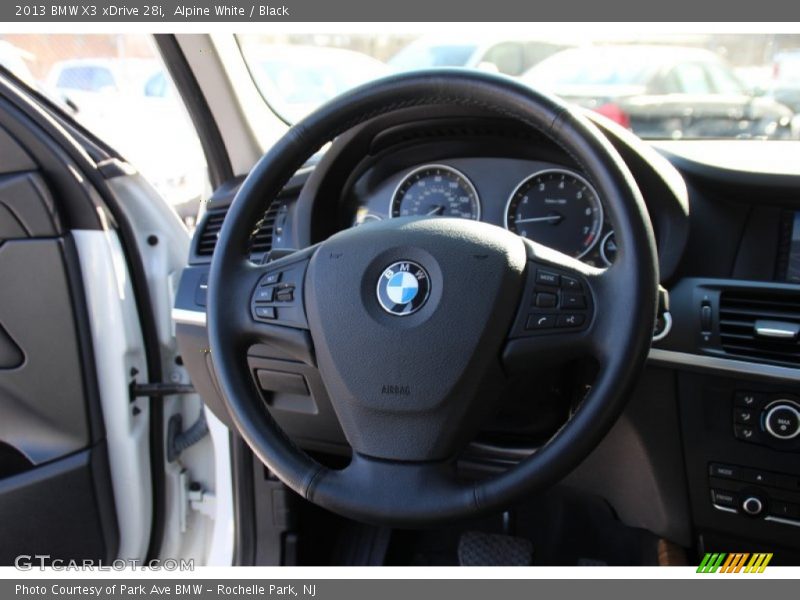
x: 540, y: 321
x: 285, y: 294
x: 570, y: 320
x: 744, y: 416
x: 724, y: 498
x: 547, y: 278
x: 265, y: 294
x: 573, y: 301
x: 265, y: 312
x: 544, y: 300
x: 271, y: 278
x: 744, y: 432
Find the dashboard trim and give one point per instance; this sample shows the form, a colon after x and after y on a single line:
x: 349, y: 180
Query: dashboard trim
x: 189, y: 317
x: 722, y: 365
x: 656, y: 356
x: 772, y: 519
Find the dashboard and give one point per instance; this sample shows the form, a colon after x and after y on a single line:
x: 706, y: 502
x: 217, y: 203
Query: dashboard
x: 698, y: 440
x: 550, y: 203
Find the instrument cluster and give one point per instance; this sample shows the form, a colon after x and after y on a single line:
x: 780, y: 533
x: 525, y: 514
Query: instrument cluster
x: 548, y: 203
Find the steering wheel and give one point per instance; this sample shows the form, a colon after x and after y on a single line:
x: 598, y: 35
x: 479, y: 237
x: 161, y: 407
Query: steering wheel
x: 413, y: 323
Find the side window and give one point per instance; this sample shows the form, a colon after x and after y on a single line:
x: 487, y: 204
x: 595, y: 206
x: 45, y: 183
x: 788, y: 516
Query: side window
x: 691, y: 79
x: 507, y: 57
x: 145, y: 120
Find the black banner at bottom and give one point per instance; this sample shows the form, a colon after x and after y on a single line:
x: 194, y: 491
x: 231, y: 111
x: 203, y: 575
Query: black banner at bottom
x: 734, y: 586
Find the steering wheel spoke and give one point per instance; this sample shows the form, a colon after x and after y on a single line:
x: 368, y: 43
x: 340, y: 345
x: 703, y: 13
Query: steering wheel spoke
x: 274, y: 298
x: 397, y: 487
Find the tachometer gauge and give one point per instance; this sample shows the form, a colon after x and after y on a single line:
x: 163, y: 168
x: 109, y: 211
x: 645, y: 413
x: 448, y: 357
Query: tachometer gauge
x: 556, y: 208
x: 436, y: 191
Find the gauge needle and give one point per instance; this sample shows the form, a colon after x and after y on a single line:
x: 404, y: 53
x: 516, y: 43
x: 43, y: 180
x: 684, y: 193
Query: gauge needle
x: 437, y: 210
x: 551, y: 218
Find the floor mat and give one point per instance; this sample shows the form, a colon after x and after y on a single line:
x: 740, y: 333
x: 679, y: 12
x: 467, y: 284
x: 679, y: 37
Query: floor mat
x: 563, y: 528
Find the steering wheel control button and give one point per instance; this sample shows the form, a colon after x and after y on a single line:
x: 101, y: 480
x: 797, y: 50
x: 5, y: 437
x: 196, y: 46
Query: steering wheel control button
x: 545, y: 300
x: 573, y: 301
x: 275, y: 298
x: 539, y: 321
x: 284, y: 293
x: 570, y: 320
x: 271, y: 278
x: 403, y: 288
x: 753, y: 506
x: 549, y: 311
x: 265, y: 312
x: 265, y: 294
x: 547, y: 278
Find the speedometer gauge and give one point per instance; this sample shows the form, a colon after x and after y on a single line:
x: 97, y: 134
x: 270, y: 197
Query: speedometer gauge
x: 436, y: 190
x: 556, y: 208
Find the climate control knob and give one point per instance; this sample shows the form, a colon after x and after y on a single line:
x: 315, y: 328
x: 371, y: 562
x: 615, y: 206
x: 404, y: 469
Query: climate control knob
x: 782, y: 420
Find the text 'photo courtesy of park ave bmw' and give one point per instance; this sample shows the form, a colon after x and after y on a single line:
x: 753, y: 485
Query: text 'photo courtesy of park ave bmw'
x: 400, y: 296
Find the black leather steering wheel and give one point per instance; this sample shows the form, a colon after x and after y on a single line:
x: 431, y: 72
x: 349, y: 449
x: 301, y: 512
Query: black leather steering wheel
x: 410, y: 389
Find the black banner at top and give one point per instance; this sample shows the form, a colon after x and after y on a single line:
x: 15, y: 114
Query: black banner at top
x: 244, y: 11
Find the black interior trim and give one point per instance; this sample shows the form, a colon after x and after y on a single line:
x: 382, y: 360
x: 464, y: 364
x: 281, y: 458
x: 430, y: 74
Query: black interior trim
x: 244, y: 529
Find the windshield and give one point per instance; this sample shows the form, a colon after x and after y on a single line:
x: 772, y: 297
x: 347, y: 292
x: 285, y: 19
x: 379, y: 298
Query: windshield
x: 421, y: 55
x: 687, y: 86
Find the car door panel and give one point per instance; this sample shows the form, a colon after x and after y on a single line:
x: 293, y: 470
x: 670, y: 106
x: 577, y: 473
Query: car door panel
x: 55, y: 491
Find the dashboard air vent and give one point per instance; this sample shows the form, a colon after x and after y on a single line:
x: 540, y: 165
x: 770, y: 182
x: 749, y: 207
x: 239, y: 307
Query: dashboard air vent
x: 207, y: 239
x: 260, y: 240
x: 761, y: 325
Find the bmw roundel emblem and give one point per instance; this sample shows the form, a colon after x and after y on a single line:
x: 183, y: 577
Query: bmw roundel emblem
x: 403, y: 288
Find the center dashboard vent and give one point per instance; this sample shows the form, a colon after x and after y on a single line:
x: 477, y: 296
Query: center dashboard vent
x: 756, y: 324
x: 260, y: 240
